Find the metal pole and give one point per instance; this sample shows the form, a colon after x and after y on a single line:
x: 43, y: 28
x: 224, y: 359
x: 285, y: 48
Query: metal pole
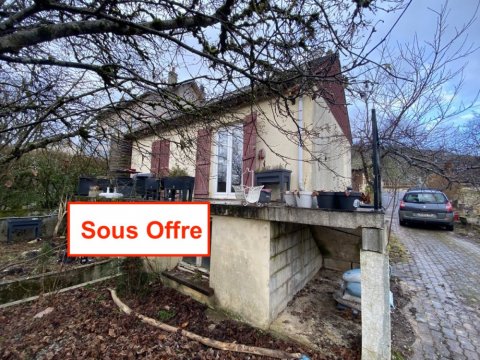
x: 377, y: 180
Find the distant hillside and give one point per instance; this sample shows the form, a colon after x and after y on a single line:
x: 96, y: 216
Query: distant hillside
x: 407, y: 167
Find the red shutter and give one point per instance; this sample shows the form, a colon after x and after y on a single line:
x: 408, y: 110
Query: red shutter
x: 249, y: 143
x: 160, y: 157
x: 163, y: 168
x: 155, y: 157
x: 202, y: 168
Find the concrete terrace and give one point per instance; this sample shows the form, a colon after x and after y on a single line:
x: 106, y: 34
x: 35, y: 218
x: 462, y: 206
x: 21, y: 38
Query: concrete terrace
x: 262, y: 256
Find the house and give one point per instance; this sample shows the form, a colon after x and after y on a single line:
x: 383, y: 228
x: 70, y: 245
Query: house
x: 262, y: 256
x: 240, y: 132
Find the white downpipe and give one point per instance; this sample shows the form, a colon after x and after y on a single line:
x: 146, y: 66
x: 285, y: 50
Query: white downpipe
x: 300, y: 150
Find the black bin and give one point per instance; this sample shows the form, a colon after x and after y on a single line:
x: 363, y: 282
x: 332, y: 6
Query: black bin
x: 326, y: 200
x: 346, y: 200
x: 265, y: 196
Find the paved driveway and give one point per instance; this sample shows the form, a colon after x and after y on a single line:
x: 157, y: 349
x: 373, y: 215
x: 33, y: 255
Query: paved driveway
x: 443, y: 274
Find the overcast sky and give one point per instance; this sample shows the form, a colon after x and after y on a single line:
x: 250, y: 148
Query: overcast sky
x: 419, y: 20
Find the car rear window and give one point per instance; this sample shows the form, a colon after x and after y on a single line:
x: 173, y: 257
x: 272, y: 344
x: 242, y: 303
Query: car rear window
x: 425, y: 198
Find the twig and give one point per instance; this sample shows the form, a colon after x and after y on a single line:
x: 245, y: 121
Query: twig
x: 28, y: 260
x: 279, y: 354
x: 62, y: 211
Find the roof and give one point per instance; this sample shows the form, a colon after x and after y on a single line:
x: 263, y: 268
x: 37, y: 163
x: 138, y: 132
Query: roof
x: 330, y: 88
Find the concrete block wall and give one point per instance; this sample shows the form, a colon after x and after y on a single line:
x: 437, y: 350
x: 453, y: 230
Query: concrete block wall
x: 340, y: 248
x: 294, y: 260
x: 258, y: 266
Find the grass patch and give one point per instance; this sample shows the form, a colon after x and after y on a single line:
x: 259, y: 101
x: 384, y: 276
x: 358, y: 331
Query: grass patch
x: 396, y: 250
x: 396, y: 355
x: 135, y: 281
x: 165, y: 315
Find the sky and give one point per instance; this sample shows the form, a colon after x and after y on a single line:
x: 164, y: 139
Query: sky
x: 420, y: 20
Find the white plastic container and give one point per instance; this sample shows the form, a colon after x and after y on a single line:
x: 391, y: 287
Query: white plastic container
x: 111, y: 195
x: 304, y: 199
x: 290, y: 198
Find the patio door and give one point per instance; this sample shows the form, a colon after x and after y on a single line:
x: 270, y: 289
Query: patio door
x: 229, y: 152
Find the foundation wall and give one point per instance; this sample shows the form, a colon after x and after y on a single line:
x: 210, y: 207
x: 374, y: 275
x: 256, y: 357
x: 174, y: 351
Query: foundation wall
x: 339, y: 247
x: 239, y: 267
x: 258, y: 266
x: 294, y: 260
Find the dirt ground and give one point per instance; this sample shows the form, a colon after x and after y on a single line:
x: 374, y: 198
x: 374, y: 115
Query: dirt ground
x: 468, y: 231
x: 313, y: 318
x: 403, y: 335
x: 24, y: 258
x: 85, y: 323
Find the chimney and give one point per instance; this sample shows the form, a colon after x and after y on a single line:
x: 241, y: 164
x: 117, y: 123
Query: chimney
x: 172, y: 77
x: 202, y: 92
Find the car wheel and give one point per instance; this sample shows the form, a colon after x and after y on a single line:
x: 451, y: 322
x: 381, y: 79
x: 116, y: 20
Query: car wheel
x: 450, y: 227
x: 402, y: 222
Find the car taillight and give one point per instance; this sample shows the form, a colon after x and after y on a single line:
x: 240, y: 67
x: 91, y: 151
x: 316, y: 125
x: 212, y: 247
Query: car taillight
x: 402, y: 204
x: 448, y: 207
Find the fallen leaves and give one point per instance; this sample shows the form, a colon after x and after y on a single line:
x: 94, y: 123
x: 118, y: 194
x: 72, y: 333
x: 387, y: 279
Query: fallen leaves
x: 80, y: 326
x: 43, y: 313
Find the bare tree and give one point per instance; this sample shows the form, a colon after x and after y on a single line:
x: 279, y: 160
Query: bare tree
x: 419, y: 108
x: 64, y: 61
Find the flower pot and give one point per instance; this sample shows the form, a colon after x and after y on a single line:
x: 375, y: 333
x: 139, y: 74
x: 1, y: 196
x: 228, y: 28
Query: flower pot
x: 304, y: 199
x: 265, y: 196
x: 326, y: 200
x: 348, y: 201
x: 290, y: 199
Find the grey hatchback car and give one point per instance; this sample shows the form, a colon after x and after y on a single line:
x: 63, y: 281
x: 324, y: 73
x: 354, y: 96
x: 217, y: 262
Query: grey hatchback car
x: 426, y: 206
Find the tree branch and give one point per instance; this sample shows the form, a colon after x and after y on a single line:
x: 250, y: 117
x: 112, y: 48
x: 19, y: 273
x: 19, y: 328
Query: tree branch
x: 20, y: 39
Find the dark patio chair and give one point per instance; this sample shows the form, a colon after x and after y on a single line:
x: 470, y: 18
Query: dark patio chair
x: 124, y: 186
x: 103, y: 184
x: 152, y: 188
x: 180, y: 187
x: 147, y: 187
x: 139, y: 185
x: 84, y: 184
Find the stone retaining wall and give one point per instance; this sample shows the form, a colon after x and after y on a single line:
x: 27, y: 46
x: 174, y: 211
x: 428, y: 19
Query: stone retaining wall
x: 28, y: 286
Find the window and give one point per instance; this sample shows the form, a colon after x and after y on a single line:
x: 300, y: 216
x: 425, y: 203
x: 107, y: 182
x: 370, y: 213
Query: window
x: 425, y: 198
x: 229, y: 152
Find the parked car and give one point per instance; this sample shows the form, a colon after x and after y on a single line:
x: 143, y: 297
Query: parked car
x: 426, y: 206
